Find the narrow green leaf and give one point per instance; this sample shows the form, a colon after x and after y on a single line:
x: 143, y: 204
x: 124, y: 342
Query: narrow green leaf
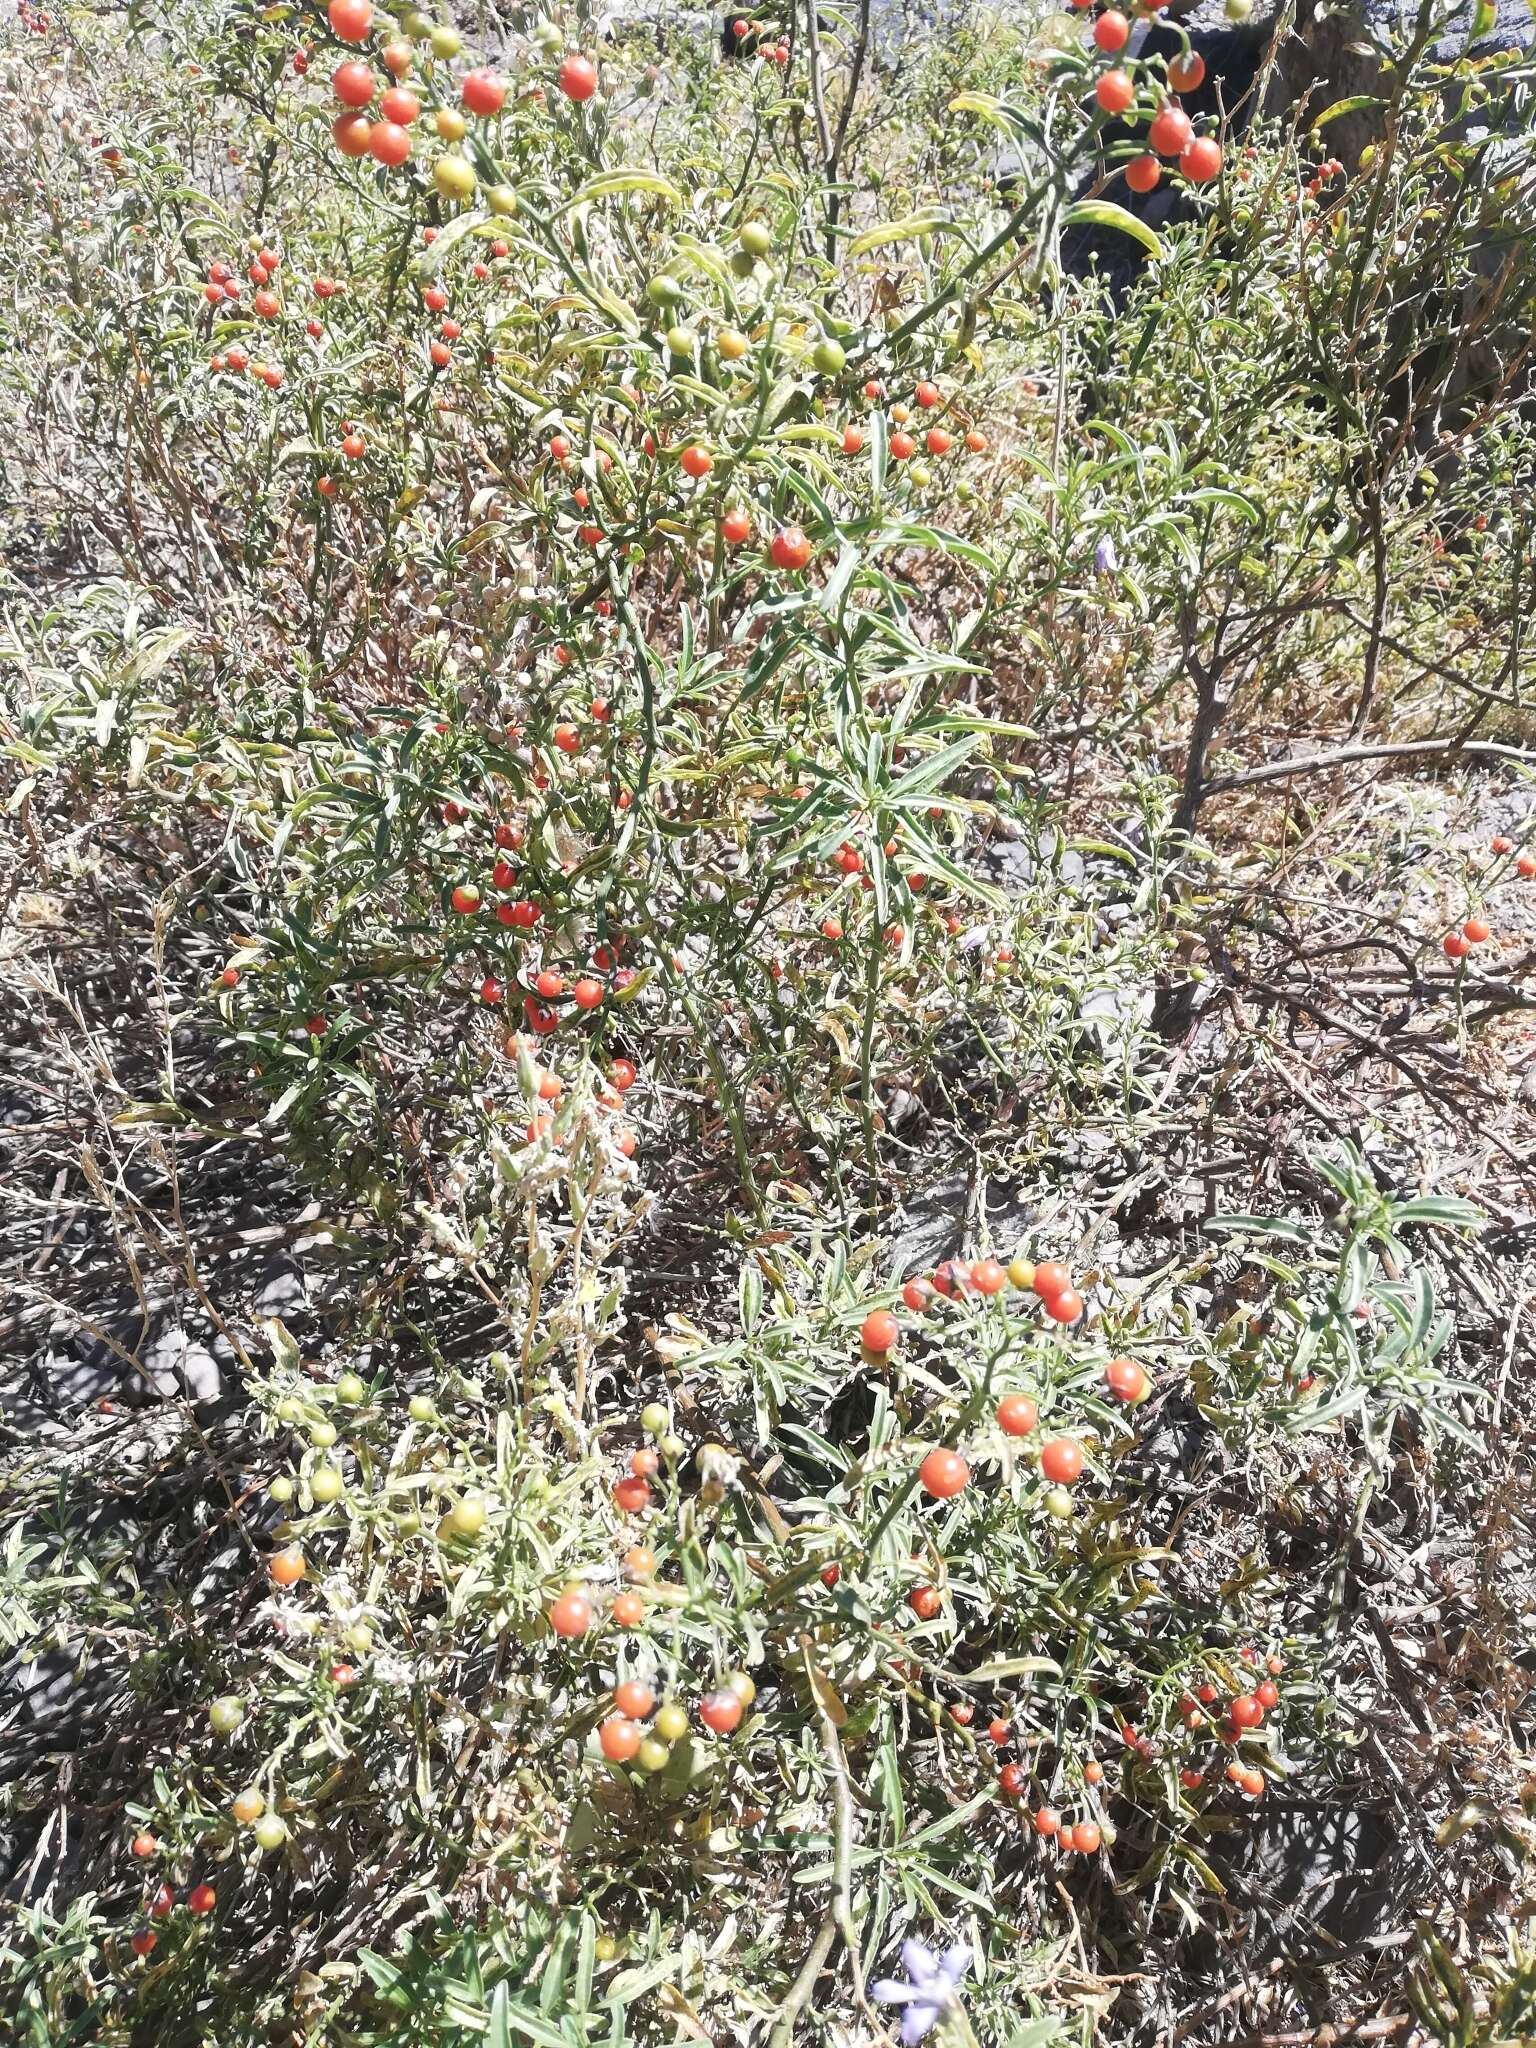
x: 1355, y: 104
x: 906, y: 230
x: 1103, y: 213
x: 609, y: 184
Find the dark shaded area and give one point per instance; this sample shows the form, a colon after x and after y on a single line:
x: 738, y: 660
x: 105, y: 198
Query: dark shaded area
x: 1223, y: 103
x: 1252, y: 67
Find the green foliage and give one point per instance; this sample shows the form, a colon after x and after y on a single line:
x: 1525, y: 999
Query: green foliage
x: 616, y: 926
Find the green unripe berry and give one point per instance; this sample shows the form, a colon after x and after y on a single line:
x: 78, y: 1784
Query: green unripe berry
x: 467, y: 1515
x: 454, y: 176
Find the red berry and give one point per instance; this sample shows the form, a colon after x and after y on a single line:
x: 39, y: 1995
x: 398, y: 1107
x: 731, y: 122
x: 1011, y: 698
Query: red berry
x: 944, y: 1474
x: 1186, y: 72
x: 354, y: 83
x: 789, y: 548
x: 879, y: 1330
x: 1061, y: 1460
x: 571, y: 1613
x: 1143, y: 173
x: 351, y: 20
x: 634, y: 1699
x: 1051, y: 1279
x: 619, y: 1738
x: 352, y: 135
x: 484, y: 93
x: 389, y: 143
x: 1126, y: 1381
x: 1115, y: 92
x: 1170, y: 131
x: 721, y: 1711
x: 1200, y: 159
x: 1017, y: 1415
x: 577, y: 78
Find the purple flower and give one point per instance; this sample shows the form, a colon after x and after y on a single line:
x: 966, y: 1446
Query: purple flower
x: 1106, y: 556
x: 930, y: 1990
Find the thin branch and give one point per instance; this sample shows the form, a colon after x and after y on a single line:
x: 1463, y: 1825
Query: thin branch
x: 1313, y: 764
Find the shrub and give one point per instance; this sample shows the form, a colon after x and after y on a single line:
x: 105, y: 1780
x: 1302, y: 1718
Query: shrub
x: 615, y: 677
